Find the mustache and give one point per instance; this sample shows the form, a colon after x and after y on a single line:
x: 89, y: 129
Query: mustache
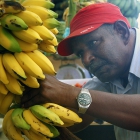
x: 94, y: 66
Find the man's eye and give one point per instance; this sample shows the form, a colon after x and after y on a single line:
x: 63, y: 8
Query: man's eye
x: 92, y: 43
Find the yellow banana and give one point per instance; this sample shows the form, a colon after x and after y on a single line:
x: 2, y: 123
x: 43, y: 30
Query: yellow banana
x: 42, y: 12
x: 14, y: 86
x: 12, y: 66
x: 2, y: 11
x: 31, y: 135
x: 54, y: 31
x: 66, y: 115
x: 12, y: 22
x: 42, y: 3
x: 42, y: 61
x: 12, y: 130
x: 3, y: 76
x: 36, y: 124
x: 30, y: 18
x: 29, y: 36
x: 44, y: 33
x: 29, y: 65
x: 6, y: 102
x: 47, y: 48
x: 8, y: 41
x: 30, y: 81
x: 4, y: 123
x: 13, y: 7
x: 3, y: 89
x: 51, y: 23
x: 53, y: 42
x: 1, y: 97
x: 26, y: 47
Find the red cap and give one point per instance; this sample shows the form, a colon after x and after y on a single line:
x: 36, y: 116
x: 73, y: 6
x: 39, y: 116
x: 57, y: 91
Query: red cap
x: 89, y: 19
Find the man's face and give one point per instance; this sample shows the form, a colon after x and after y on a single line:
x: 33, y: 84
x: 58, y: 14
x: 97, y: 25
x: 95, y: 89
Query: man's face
x: 103, y: 53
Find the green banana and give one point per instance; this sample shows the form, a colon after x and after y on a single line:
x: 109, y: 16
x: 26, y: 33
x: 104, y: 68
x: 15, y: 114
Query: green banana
x: 127, y: 6
x: 51, y: 23
x: 12, y: 22
x: 17, y: 118
x: 8, y: 41
x: 45, y: 115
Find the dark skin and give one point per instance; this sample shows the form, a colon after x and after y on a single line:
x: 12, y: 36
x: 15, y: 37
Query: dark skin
x: 107, y: 53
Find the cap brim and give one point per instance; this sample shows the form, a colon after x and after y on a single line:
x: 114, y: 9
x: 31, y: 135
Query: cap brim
x: 64, y: 48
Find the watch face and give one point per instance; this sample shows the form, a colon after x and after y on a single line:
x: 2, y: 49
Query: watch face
x: 84, y: 99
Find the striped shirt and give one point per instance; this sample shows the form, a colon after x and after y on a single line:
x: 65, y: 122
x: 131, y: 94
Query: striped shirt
x: 115, y: 87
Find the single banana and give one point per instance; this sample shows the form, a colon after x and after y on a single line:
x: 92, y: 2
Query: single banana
x: 13, y: 68
x: 53, y: 42
x: 12, y: 22
x: 29, y: 66
x: 42, y: 61
x: 3, y: 89
x: 36, y: 124
x: 6, y: 102
x: 44, y: 33
x: 12, y: 7
x: 51, y: 23
x: 4, y: 123
x: 45, y: 115
x: 31, y: 81
x: 54, y: 31
x: 26, y: 47
x: 42, y: 12
x: 14, y: 86
x: 47, y: 48
x: 13, y: 131
x: 29, y: 36
x: 3, y: 76
x: 65, y: 114
x: 8, y: 41
x: 18, y: 120
x: 42, y: 3
x: 30, y: 18
x: 31, y: 135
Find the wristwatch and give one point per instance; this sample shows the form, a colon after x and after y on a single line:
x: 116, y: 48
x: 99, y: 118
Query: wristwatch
x: 84, y: 100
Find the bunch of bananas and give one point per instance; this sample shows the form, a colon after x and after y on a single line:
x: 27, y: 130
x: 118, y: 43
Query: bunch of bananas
x: 38, y: 122
x: 27, y: 31
x: 130, y: 9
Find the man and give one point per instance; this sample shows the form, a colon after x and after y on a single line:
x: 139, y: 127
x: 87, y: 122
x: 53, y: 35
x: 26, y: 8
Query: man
x: 101, y: 36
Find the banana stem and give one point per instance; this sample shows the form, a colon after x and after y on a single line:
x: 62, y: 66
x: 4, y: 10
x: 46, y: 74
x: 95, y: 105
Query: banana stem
x: 65, y: 134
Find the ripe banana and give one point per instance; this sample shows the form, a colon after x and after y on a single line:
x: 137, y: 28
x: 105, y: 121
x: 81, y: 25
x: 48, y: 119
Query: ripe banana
x: 66, y: 115
x: 6, y: 102
x: 13, y: 22
x: 54, y: 31
x: 30, y: 81
x: 42, y: 61
x: 53, y: 42
x: 3, y: 89
x: 36, y: 124
x: 26, y: 47
x: 13, y: 131
x: 47, y: 48
x: 29, y: 66
x: 45, y: 115
x: 17, y: 88
x: 18, y: 120
x: 31, y: 135
x: 4, y: 123
x: 42, y: 3
x: 30, y: 18
x: 42, y: 12
x: 44, y: 33
x: 3, y: 76
x: 8, y: 41
x: 12, y: 7
x: 13, y: 68
x: 29, y: 36
x: 51, y: 23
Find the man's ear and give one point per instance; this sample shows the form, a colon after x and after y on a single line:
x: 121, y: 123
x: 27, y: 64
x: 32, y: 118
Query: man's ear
x: 122, y: 29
